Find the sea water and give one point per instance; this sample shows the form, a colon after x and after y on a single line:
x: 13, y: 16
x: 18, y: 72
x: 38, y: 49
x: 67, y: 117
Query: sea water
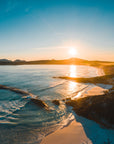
x: 21, y: 121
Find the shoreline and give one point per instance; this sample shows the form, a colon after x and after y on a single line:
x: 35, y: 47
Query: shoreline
x: 74, y: 123
x: 74, y: 131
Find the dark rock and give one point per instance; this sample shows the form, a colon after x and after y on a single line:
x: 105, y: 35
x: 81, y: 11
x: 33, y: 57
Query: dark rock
x: 40, y: 103
x: 56, y: 102
x: 63, y: 100
x: 16, y: 90
x: 67, y: 99
x: 34, y: 100
x: 98, y: 108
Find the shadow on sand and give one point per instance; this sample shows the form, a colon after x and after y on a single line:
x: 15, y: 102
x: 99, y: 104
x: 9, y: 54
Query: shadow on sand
x: 96, y: 133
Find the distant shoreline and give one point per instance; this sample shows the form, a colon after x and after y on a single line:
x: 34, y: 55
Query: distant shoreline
x: 71, y: 61
x: 75, y: 132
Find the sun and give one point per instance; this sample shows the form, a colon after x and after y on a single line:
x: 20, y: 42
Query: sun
x: 72, y: 52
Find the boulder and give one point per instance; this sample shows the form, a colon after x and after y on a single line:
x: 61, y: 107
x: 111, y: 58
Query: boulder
x: 56, y: 102
x: 98, y: 108
x: 40, y: 103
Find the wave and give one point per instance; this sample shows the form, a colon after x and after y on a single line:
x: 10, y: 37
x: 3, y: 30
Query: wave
x: 76, y: 92
x: 53, y: 86
x: 8, y: 109
x: 16, y: 90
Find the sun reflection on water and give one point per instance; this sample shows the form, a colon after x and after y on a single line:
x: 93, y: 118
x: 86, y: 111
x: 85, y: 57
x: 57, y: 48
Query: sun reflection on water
x: 75, y: 89
x: 73, y: 86
x: 73, y: 71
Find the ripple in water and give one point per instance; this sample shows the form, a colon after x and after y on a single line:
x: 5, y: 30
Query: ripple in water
x: 20, y: 120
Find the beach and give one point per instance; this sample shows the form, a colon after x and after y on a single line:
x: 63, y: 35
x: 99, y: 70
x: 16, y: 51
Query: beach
x: 23, y: 121
x: 56, y: 72
x: 74, y: 133
x: 81, y: 130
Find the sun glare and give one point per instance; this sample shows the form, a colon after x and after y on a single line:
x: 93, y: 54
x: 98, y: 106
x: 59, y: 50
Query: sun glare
x: 72, y: 52
x: 73, y: 71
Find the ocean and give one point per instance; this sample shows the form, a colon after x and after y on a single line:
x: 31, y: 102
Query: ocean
x: 23, y: 122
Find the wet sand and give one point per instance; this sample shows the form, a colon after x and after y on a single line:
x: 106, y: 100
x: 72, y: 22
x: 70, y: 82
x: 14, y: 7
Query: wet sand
x: 74, y: 133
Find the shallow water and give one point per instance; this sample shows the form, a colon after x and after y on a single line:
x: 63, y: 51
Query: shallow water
x: 21, y: 121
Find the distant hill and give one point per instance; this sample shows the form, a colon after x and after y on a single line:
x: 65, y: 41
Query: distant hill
x: 75, y: 61
x: 5, y: 60
x: 65, y: 61
x: 18, y: 61
x: 9, y: 62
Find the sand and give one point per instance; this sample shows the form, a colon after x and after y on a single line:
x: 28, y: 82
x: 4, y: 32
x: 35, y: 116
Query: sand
x: 73, y: 134
x: 95, y: 91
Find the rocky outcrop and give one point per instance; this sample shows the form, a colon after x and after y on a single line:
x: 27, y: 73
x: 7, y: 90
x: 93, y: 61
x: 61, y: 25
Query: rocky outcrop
x: 98, y: 108
x: 56, y: 102
x: 40, y: 103
x: 16, y: 90
x: 106, y: 79
x: 36, y: 100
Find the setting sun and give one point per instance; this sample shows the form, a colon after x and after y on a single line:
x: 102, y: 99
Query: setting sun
x: 72, y: 52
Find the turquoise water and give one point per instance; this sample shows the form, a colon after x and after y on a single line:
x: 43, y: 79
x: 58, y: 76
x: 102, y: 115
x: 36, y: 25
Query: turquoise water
x: 21, y: 121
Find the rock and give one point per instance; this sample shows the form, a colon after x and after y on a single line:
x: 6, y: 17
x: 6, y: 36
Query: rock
x: 56, y: 102
x: 16, y: 90
x: 98, y: 108
x: 34, y: 100
x: 67, y: 99
x: 40, y: 103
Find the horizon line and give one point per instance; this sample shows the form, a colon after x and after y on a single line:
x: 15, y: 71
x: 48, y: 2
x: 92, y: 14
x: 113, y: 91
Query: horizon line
x: 53, y: 59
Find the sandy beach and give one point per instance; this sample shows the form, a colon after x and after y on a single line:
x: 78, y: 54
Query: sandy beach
x: 73, y: 134
x: 79, y: 131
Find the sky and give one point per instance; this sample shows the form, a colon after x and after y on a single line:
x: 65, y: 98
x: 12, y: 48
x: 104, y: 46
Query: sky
x: 48, y: 29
